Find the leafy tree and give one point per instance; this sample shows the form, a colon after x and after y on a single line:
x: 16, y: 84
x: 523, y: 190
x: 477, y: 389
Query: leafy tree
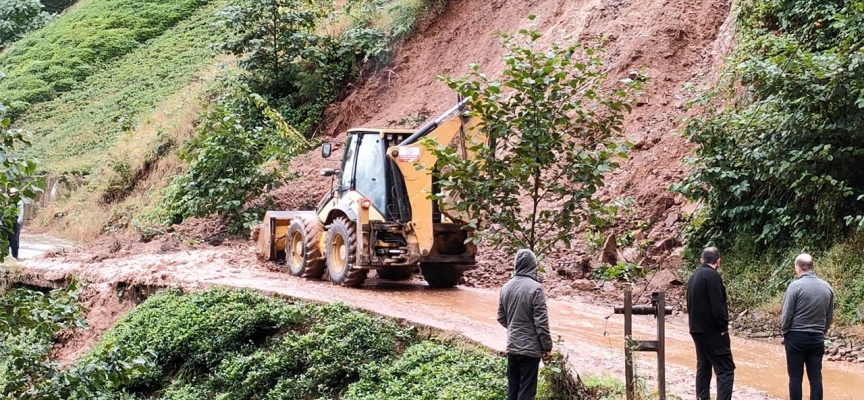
x: 18, y: 17
x: 16, y: 172
x: 228, y: 161
x: 550, y: 124
x: 292, y: 60
x: 780, y: 159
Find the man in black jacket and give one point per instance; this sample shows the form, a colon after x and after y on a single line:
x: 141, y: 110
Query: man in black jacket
x: 522, y: 310
x: 709, y: 327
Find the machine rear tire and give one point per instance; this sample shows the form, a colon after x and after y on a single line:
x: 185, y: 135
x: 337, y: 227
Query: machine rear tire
x: 439, y: 275
x: 340, y: 251
x: 302, y: 255
x: 396, y: 274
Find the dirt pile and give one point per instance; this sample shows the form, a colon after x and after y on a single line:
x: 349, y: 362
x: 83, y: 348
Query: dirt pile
x: 676, y: 41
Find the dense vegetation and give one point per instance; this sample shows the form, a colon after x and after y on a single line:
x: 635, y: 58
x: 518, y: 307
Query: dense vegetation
x: 29, y: 323
x: 76, y: 129
x: 779, y: 167
x: 237, y: 344
x: 295, y: 58
x: 17, y: 180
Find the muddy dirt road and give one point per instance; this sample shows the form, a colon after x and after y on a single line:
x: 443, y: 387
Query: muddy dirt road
x: 592, y: 341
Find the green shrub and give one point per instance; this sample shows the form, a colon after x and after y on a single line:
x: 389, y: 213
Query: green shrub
x: 780, y: 160
x: 53, y: 60
x: 193, y: 332
x: 228, y: 161
x: 320, y: 361
x: 29, y: 323
x: 18, y: 17
x: 433, y: 370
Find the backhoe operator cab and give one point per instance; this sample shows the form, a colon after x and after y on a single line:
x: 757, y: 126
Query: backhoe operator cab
x: 378, y: 214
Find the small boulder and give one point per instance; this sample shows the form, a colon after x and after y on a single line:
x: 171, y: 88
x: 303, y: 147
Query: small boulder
x: 610, y: 252
x: 662, y: 280
x: 630, y: 254
x: 584, y: 285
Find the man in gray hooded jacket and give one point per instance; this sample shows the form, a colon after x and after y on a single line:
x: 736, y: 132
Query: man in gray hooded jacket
x: 522, y: 310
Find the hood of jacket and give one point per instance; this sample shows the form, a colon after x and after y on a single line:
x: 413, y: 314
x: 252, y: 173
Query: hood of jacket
x: 526, y: 264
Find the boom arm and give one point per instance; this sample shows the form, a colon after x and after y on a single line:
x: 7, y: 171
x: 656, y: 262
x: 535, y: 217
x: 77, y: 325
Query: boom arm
x: 418, y: 183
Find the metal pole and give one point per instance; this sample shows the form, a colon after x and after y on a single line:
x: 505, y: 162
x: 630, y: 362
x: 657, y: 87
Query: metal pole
x: 628, y: 348
x: 661, y: 345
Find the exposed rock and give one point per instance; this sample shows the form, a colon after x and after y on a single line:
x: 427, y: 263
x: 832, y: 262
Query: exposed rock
x: 761, y: 335
x: 860, y: 360
x: 574, y: 269
x: 662, y: 246
x: 741, y: 316
x: 690, y: 208
x: 671, y: 219
x: 609, y: 254
x: 584, y: 285
x: 630, y: 254
x: 662, y: 280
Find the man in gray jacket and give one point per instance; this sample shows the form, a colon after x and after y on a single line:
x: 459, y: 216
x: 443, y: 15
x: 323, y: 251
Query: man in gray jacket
x: 808, y: 310
x: 522, y: 310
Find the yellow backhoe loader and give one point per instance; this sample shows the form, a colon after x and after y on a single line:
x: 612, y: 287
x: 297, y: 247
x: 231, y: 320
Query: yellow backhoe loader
x: 378, y: 215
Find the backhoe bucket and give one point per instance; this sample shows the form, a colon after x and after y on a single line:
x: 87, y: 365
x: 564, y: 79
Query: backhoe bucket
x: 273, y: 232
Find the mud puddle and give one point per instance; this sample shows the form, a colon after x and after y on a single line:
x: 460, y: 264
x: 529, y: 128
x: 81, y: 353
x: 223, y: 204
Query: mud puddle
x: 592, y: 335
x: 33, y: 245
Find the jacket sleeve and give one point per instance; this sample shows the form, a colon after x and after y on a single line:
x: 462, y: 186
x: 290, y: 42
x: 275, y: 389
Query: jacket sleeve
x: 788, y: 310
x: 541, y: 320
x: 502, y: 315
x: 717, y: 299
x: 829, y: 313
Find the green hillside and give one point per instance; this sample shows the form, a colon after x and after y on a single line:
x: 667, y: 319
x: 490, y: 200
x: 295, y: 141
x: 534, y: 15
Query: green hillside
x: 76, y: 128
x: 84, y: 41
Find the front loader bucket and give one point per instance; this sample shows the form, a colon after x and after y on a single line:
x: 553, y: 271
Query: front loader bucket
x: 272, y: 233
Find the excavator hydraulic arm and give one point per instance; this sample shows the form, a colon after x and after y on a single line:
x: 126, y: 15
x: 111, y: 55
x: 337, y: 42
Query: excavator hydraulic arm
x: 416, y: 163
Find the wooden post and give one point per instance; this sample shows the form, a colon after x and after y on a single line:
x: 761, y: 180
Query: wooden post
x: 661, y: 344
x: 658, y: 309
x: 628, y: 344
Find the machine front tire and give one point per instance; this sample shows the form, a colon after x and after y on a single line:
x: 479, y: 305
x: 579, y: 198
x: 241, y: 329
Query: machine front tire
x: 302, y: 255
x: 340, y: 251
x: 439, y: 275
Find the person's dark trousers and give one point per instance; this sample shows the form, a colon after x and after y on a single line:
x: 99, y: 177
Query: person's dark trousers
x: 714, y: 351
x: 804, y: 349
x: 522, y: 377
x: 14, y: 240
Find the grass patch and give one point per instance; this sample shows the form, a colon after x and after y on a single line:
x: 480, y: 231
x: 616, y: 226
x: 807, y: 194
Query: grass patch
x: 55, y: 59
x: 75, y: 130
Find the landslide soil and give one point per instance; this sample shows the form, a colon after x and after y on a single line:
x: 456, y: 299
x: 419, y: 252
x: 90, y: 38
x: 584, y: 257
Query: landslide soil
x: 120, y: 276
x: 675, y: 41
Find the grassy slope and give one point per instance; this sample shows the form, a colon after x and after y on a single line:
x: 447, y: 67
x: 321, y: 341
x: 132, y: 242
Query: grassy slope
x: 74, y: 131
x: 86, y: 39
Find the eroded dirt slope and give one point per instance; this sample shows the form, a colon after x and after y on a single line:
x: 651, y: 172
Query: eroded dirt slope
x: 676, y: 41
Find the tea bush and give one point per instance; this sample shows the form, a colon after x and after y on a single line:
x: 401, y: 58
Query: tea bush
x: 434, y: 370
x: 55, y: 59
x: 29, y: 323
